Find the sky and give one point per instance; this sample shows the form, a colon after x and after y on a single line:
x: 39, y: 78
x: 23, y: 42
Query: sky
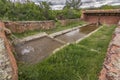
x: 58, y: 0
x: 59, y: 4
x: 63, y: 1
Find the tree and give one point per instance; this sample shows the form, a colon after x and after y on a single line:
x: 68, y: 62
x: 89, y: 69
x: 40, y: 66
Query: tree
x: 75, y: 4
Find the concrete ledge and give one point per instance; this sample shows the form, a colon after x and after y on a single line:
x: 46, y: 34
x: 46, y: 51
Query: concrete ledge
x: 29, y: 38
x: 56, y: 50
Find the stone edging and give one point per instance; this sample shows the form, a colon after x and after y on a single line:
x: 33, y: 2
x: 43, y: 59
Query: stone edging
x: 7, y: 60
x: 29, y: 38
x: 111, y: 65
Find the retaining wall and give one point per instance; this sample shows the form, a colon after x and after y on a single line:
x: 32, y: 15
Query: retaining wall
x: 103, y: 19
x: 111, y: 66
x: 102, y: 16
x: 8, y: 67
x: 22, y: 26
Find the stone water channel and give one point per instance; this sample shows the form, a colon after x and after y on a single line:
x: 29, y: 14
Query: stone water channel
x: 74, y: 35
x: 35, y: 50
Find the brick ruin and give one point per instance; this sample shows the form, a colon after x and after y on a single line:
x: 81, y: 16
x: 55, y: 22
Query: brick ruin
x: 102, y: 16
x: 22, y: 26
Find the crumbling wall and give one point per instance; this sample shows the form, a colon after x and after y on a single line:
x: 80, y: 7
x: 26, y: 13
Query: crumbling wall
x: 103, y: 16
x: 22, y: 26
x: 8, y: 67
x: 102, y: 19
x: 111, y: 66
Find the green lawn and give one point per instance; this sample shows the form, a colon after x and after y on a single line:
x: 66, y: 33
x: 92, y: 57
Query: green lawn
x: 82, y: 61
x: 56, y: 29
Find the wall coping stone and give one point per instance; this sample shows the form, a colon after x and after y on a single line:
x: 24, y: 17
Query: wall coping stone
x: 11, y: 72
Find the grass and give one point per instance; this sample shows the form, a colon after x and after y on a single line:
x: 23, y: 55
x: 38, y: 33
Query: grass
x: 81, y: 61
x: 56, y: 29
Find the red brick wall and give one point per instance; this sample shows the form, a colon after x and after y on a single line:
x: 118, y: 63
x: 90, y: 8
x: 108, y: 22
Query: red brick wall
x: 103, y: 19
x: 22, y: 26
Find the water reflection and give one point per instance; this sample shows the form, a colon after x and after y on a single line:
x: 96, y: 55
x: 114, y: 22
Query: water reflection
x: 27, y: 50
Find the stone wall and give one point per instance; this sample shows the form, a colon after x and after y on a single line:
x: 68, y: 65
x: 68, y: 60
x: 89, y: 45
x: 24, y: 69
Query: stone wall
x: 8, y: 67
x: 111, y: 66
x: 22, y: 26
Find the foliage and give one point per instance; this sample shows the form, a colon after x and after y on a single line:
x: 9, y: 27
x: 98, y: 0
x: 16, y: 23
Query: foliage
x: 67, y: 13
x: 108, y: 7
x: 82, y: 61
x: 75, y: 4
x: 30, y: 11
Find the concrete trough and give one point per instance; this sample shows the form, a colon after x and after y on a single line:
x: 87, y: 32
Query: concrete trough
x: 33, y: 51
x: 74, y: 35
